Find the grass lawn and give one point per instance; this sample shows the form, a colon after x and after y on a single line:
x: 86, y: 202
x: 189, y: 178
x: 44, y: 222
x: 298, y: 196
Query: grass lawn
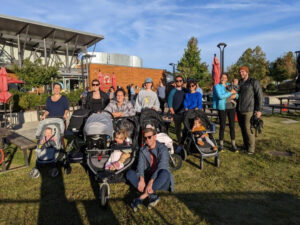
x: 257, y: 189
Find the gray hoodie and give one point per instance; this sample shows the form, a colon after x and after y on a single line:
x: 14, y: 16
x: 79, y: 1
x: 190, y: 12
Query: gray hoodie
x: 146, y: 99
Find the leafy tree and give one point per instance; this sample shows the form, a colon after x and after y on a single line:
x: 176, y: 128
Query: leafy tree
x: 255, y: 60
x: 190, y: 65
x: 36, y: 74
x: 283, y: 68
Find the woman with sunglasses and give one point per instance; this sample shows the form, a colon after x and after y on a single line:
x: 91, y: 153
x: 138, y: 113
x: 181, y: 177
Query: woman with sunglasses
x: 192, y: 99
x: 96, y: 100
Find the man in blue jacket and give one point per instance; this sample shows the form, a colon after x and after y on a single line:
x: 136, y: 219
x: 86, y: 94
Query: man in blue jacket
x: 152, y: 172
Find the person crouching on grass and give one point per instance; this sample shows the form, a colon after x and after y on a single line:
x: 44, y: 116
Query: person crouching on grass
x: 152, y: 172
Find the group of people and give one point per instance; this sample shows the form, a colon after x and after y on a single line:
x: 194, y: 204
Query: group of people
x: 152, y: 174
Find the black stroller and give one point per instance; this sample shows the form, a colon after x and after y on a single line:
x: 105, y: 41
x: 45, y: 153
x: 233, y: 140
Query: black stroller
x: 205, y: 150
x: 151, y: 118
x: 49, y: 150
x: 98, y: 134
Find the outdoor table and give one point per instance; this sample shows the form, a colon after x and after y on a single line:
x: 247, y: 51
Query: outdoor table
x: 288, y: 101
x: 4, y: 132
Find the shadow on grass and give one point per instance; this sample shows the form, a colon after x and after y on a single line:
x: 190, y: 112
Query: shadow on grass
x: 243, y: 207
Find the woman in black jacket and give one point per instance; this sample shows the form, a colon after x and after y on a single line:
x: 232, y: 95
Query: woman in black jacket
x: 96, y: 100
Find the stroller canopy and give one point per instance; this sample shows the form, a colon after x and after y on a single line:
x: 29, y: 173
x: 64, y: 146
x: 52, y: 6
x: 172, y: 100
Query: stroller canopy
x: 99, y: 123
x: 58, y: 122
x: 190, y: 115
x: 150, y: 116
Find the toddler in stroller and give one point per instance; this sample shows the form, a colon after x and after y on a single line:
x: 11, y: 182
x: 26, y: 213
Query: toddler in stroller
x: 200, y: 136
x: 49, y: 149
x: 106, y: 160
x: 117, y: 157
x: 200, y: 133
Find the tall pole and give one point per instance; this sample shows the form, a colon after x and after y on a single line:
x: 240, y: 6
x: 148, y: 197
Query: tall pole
x: 297, y: 89
x: 222, y: 46
x: 173, y: 65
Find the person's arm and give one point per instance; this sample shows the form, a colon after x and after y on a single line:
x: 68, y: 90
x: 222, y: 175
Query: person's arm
x: 170, y: 100
x: 47, y: 109
x: 258, y: 98
x: 130, y: 110
x: 199, y: 101
x: 66, y: 107
x: 156, y: 104
x: 186, y: 102
x: 137, y: 105
x: 140, y: 171
x: 109, y: 107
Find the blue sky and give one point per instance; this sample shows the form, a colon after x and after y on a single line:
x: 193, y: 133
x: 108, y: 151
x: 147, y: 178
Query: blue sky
x: 158, y: 30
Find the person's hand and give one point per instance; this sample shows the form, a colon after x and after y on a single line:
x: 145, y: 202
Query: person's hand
x: 258, y: 114
x: 233, y: 91
x: 202, y: 136
x: 141, y: 185
x: 115, y: 114
x: 196, y: 108
x: 186, y: 110
x: 43, y: 117
x: 233, y: 96
x: 154, y: 108
x: 65, y: 117
x: 149, y: 189
x: 172, y: 111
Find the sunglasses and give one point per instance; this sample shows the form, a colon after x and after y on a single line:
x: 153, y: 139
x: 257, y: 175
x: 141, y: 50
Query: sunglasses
x: 177, y: 81
x: 148, y: 137
x: 95, y: 84
x: 192, y: 85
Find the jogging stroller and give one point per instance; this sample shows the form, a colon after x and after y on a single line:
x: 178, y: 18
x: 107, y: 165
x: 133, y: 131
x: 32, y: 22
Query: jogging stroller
x: 150, y: 118
x: 98, y: 133
x: 205, y: 147
x: 49, y: 150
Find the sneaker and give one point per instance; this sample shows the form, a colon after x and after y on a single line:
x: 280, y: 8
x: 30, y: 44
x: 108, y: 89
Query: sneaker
x: 235, y: 149
x: 178, y: 149
x: 250, y: 153
x: 153, y: 200
x: 221, y: 148
x: 136, y: 203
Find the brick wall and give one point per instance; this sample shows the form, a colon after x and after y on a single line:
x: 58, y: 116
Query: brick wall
x: 127, y: 75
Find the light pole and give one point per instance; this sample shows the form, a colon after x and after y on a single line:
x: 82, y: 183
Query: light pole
x: 222, y: 46
x: 297, y: 89
x: 173, y: 64
x: 86, y: 57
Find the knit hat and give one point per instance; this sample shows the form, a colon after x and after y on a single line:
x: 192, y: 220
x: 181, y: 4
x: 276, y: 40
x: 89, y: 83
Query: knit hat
x: 148, y: 80
x: 245, y: 68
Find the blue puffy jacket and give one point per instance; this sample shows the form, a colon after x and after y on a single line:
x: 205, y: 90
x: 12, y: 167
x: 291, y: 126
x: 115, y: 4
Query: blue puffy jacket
x: 219, y: 97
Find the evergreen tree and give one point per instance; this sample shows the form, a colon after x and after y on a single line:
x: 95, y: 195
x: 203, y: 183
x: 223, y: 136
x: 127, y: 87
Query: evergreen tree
x: 190, y: 65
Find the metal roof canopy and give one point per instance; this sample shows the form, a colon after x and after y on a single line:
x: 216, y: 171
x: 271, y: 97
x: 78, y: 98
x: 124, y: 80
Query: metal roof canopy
x: 37, y: 36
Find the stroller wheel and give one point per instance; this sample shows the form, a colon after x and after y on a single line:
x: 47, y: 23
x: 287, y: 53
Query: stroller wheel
x: 183, y: 154
x: 103, y: 195
x: 201, y: 163
x: 175, y: 161
x: 217, y: 161
x: 68, y: 169
x: 53, y: 172
x: 34, y: 173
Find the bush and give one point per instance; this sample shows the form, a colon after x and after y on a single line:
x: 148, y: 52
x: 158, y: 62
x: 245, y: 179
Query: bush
x: 74, y: 96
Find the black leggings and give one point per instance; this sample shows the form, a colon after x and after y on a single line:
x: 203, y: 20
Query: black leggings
x: 222, y: 117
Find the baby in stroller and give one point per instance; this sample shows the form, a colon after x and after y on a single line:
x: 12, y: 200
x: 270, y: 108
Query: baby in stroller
x: 199, y: 131
x: 50, y: 150
x: 118, y: 157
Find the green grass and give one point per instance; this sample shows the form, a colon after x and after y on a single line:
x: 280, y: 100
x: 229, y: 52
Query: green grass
x: 256, y: 189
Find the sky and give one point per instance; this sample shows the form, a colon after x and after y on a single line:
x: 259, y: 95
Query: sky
x: 158, y: 31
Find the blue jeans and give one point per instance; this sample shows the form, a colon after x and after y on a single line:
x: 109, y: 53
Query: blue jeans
x: 162, y: 181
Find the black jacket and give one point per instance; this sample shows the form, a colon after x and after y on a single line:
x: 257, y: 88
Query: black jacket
x: 250, y: 96
x: 96, y: 105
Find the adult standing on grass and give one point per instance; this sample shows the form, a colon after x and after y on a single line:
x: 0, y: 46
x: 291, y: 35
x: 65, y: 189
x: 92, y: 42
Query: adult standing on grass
x: 161, y: 93
x: 220, y: 99
x: 96, y: 100
x: 192, y: 99
x: 249, y: 104
x: 175, y: 103
x: 152, y: 172
x: 147, y: 98
x: 57, y: 105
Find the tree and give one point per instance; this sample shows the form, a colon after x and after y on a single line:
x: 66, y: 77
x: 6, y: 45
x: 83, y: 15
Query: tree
x: 190, y: 65
x: 283, y: 68
x: 35, y: 74
x: 255, y: 60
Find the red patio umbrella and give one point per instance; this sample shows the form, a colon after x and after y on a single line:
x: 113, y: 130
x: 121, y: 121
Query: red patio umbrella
x: 4, y: 94
x: 216, y: 71
x: 101, y: 80
x: 11, y: 80
x: 114, y: 81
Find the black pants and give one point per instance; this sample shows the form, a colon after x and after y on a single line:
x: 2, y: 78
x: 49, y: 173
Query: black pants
x: 162, y: 102
x: 222, y: 117
x: 178, y: 120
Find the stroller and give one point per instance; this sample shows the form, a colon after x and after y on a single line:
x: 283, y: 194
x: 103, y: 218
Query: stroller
x: 206, y: 149
x: 49, y: 149
x: 98, y: 133
x: 151, y: 118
